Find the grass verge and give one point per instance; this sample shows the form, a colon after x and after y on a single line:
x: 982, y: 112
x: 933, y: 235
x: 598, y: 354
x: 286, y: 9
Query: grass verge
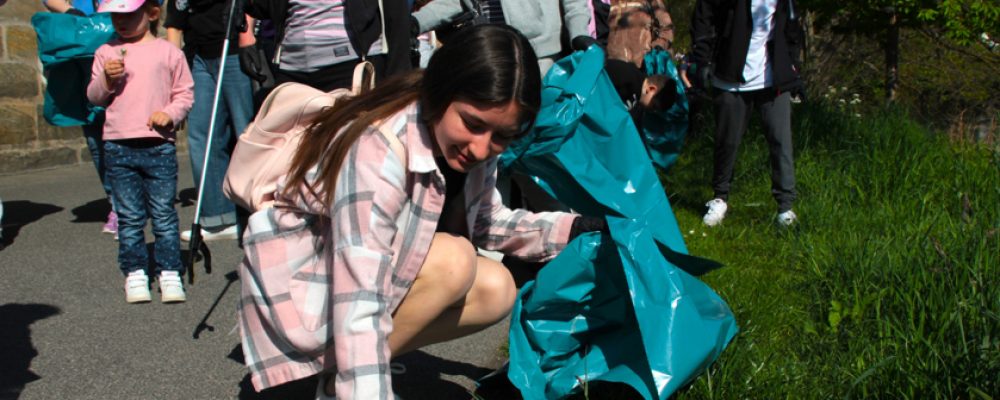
x: 888, y: 287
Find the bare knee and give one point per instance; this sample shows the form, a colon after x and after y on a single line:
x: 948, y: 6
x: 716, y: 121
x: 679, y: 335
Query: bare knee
x: 494, y: 291
x: 450, y: 267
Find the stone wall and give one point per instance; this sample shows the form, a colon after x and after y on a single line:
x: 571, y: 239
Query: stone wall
x: 27, y: 142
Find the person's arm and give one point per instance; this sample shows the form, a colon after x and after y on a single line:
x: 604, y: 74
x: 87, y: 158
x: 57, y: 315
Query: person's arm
x: 175, y: 23
x: 247, y: 38
x: 703, y: 32
x: 437, y: 13
x: 181, y: 90
x: 576, y: 17
x: 793, y: 36
x: 682, y: 73
x: 98, y: 91
x: 369, y: 197
x: 526, y: 235
x: 57, y: 6
x: 175, y: 36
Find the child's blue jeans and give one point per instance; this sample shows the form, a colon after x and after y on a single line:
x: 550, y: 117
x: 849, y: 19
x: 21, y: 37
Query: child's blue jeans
x: 144, y: 182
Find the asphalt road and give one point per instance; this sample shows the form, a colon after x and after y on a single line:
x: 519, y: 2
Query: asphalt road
x: 67, y: 333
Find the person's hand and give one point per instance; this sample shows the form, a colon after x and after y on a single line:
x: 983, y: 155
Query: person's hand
x: 160, y: 120
x: 114, y: 70
x: 582, y: 42
x: 702, y: 74
x: 583, y: 224
x: 252, y: 62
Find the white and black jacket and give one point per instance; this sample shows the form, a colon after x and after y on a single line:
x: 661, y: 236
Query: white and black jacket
x: 720, y: 32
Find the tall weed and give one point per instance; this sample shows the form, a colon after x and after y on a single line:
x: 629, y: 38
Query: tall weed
x: 889, y: 287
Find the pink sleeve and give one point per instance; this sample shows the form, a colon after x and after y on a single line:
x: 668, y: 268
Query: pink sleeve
x: 182, y: 90
x: 97, y: 92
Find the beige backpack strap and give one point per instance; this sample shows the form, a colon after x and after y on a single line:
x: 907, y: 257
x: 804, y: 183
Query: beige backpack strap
x: 364, y: 77
x: 396, y: 146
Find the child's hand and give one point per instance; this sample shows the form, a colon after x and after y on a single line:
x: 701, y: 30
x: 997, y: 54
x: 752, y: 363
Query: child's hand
x: 160, y: 120
x: 114, y: 70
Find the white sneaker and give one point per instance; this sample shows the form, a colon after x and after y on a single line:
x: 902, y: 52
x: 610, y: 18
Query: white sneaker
x: 226, y: 234
x: 171, y: 288
x: 716, y: 212
x: 137, y: 287
x: 787, y: 218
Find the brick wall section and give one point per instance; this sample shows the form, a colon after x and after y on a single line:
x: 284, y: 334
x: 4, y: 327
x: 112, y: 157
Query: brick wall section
x: 27, y: 142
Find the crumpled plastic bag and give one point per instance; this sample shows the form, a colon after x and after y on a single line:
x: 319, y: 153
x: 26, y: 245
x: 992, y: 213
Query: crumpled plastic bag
x: 619, y: 307
x: 66, y: 46
x: 664, y: 131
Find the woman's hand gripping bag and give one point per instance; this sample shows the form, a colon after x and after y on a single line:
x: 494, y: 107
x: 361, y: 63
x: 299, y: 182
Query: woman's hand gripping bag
x: 618, y: 307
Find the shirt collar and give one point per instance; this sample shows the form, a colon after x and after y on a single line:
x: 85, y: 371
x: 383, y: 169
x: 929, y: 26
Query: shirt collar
x: 420, y: 144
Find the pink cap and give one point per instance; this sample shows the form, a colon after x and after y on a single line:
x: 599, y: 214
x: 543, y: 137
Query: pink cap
x: 122, y: 6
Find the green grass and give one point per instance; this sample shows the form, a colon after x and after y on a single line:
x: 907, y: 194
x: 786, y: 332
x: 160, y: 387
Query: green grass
x: 889, y: 287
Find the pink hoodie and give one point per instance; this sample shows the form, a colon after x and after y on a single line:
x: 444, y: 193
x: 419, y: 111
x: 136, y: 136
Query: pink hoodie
x: 157, y: 78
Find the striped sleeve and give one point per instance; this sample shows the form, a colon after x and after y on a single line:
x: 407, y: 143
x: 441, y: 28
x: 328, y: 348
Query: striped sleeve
x: 526, y: 235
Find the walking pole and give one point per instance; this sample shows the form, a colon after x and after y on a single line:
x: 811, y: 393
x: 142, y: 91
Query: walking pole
x: 197, y: 244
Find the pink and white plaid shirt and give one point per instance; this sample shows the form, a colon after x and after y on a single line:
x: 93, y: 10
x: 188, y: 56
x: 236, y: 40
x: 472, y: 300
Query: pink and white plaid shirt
x: 318, y: 293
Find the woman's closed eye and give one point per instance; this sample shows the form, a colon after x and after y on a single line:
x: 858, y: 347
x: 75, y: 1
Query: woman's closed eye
x: 474, y: 126
x: 505, y: 137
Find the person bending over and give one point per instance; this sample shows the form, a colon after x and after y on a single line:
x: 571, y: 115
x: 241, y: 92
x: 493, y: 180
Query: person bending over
x: 370, y: 251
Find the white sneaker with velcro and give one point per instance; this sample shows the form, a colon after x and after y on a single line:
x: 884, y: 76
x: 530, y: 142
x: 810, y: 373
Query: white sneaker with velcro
x: 137, y: 287
x: 171, y: 287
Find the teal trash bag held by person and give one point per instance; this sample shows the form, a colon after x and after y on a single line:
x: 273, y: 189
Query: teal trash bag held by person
x: 623, y: 306
x: 66, y: 46
x: 664, y: 131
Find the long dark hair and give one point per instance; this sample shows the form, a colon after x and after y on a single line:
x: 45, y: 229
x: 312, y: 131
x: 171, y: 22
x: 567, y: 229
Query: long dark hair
x: 486, y: 64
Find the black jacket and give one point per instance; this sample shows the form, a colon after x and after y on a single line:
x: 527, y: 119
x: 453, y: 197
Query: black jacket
x: 364, y: 25
x: 204, y: 25
x: 720, y: 32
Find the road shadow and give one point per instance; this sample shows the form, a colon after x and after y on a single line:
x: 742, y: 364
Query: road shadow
x: 203, y: 325
x: 302, y: 389
x: 94, y: 211
x: 187, y: 197
x: 18, y: 213
x: 421, y: 380
x: 423, y: 377
x: 17, y: 351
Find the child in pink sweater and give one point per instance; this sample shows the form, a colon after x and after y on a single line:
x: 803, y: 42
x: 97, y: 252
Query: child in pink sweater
x: 146, y: 86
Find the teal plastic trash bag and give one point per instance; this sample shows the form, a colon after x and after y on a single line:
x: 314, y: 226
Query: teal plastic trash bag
x: 620, y: 307
x: 664, y: 131
x: 63, y: 37
x: 66, y: 46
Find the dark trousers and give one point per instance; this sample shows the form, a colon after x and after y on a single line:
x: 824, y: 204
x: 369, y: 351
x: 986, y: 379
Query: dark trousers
x: 732, y: 119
